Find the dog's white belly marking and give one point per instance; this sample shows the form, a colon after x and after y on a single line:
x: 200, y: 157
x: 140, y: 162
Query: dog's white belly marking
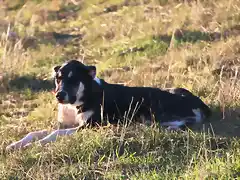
x: 83, y: 117
x: 174, y: 123
x: 177, y: 123
x: 173, y: 128
x: 198, y: 115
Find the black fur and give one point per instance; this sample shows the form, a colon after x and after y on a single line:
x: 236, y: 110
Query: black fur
x: 163, y: 105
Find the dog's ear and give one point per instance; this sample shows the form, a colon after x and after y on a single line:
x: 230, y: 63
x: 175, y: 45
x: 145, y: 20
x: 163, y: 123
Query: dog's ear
x: 56, y: 68
x: 92, y: 71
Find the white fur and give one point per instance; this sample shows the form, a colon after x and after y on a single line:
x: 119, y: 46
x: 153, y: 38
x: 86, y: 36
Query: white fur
x: 27, y: 139
x: 83, y: 117
x: 79, y: 94
x: 177, y: 123
x: 67, y: 113
x: 59, y: 73
x: 53, y: 74
x: 60, y: 132
x: 64, y: 64
x: 173, y: 128
x: 70, y: 74
x: 56, y: 84
x: 198, y: 114
x: 97, y: 80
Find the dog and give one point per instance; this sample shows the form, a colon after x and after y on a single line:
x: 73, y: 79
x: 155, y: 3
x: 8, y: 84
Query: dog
x: 83, y: 100
x: 75, y: 85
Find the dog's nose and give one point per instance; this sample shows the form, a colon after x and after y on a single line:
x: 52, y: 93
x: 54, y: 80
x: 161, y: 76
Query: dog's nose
x: 61, y: 95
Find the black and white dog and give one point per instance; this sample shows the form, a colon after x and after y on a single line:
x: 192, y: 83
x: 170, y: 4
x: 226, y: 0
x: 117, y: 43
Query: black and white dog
x: 76, y: 86
x: 84, y: 99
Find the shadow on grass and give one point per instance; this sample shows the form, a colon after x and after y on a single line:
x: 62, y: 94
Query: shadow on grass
x: 31, y: 82
x: 52, y: 38
x: 182, y: 36
x: 222, y: 123
x: 162, y: 42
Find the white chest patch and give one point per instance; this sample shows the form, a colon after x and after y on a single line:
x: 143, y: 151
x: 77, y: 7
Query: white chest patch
x: 83, y: 117
x: 68, y: 115
x: 198, y: 115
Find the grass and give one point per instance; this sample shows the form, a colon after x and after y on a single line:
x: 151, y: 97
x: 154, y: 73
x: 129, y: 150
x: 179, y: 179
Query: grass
x: 159, y: 43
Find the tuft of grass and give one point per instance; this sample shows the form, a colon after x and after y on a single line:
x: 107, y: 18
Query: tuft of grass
x: 110, y: 154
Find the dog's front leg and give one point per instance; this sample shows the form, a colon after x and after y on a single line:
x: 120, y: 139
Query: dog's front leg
x: 27, y: 139
x: 81, y: 119
x: 60, y: 132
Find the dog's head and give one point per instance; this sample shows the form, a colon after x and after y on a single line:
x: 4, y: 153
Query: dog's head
x: 71, y: 80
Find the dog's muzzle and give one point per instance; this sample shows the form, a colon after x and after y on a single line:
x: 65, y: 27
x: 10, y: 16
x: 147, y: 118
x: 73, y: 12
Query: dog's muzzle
x: 61, y: 96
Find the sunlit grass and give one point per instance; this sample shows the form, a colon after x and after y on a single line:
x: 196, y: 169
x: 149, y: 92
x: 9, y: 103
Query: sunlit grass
x: 145, y: 43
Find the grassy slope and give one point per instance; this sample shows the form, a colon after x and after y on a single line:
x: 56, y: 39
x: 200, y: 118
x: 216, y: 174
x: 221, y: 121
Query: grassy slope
x: 161, y: 43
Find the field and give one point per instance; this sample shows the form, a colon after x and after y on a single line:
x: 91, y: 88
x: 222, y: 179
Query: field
x: 193, y: 44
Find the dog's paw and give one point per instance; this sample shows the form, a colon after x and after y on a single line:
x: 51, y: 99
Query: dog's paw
x: 173, y: 128
x: 9, y: 148
x: 28, y: 145
x: 12, y: 147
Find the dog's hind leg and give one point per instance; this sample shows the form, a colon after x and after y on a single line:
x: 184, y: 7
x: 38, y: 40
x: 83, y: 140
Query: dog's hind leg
x: 185, y: 121
x: 174, y: 128
x: 173, y: 124
x: 27, y: 139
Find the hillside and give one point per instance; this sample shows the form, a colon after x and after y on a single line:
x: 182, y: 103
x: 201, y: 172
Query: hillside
x: 193, y: 44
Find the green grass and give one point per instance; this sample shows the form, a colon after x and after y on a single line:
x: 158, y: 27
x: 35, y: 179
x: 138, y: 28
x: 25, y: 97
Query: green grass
x: 159, y: 43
